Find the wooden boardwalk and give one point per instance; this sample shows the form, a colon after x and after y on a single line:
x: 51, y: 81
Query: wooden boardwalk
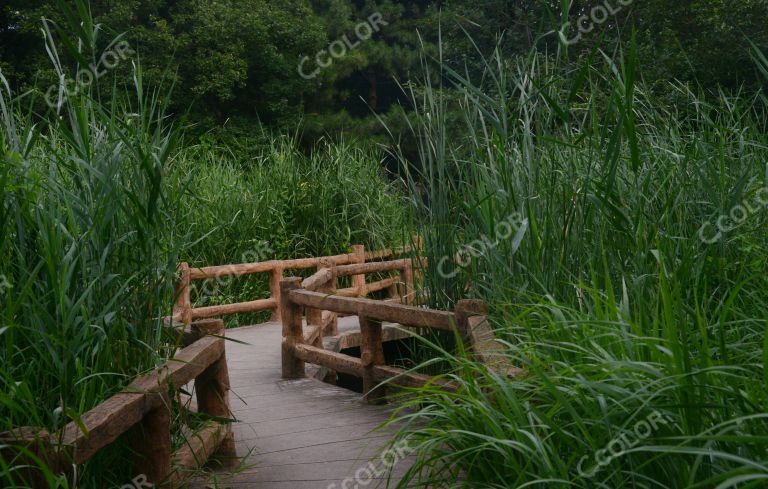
x: 287, y: 433
x: 296, y: 434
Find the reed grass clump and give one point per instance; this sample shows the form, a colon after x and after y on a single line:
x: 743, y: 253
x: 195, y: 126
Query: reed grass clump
x: 606, y: 291
x: 101, y: 198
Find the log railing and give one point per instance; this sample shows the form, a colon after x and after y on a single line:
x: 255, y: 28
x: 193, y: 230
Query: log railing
x: 323, y: 321
x: 143, y: 409
x: 302, y: 346
x: 184, y: 311
x: 143, y: 412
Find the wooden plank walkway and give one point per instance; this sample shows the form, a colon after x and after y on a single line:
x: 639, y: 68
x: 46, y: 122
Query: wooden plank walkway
x: 296, y: 434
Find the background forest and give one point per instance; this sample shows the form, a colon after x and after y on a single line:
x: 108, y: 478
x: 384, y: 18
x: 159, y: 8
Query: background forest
x: 233, y: 64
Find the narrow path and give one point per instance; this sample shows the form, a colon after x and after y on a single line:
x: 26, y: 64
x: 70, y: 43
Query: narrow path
x: 296, y: 434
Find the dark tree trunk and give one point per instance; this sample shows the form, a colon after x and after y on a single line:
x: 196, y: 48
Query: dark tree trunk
x: 373, y: 91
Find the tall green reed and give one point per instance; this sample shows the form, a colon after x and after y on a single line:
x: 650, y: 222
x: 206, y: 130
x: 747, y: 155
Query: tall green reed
x: 86, y: 251
x: 611, y: 300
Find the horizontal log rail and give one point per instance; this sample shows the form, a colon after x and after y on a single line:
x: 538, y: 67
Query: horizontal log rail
x: 227, y: 309
x: 354, y: 366
x: 301, y: 347
x: 356, y: 264
x: 297, y: 263
x: 143, y: 411
x: 383, y: 311
x: 385, y: 266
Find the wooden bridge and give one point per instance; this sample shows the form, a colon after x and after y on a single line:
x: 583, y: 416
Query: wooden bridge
x: 272, y: 413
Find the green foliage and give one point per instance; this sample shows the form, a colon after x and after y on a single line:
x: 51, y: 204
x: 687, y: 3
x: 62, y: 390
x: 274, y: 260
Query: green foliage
x: 240, y: 60
x: 87, y: 258
x: 98, y: 204
x: 300, y: 205
x: 227, y: 58
x: 606, y: 295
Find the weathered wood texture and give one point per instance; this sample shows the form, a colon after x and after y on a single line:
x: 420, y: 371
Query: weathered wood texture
x: 296, y: 434
x: 182, y: 309
x: 383, y: 311
x: 329, y: 323
x: 227, y: 309
x: 408, y: 288
x: 275, y: 277
x: 212, y: 389
x: 332, y: 360
x: 110, y: 419
x: 143, y: 410
x: 358, y: 280
x: 151, y: 443
x: 315, y: 283
x: 373, y: 267
x: 185, y: 312
x: 319, y: 279
x: 469, y: 318
x: 293, y: 334
x: 371, y: 366
x: 477, y: 334
x: 199, y: 447
x: 372, y: 355
x: 265, y: 266
x: 181, y: 334
x: 353, y: 339
x: 380, y: 285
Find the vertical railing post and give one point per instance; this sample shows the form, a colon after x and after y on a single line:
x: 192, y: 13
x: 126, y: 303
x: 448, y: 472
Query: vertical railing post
x: 330, y: 288
x: 151, y: 444
x: 417, y: 273
x: 293, y: 331
x: 275, y: 276
x: 183, y: 306
x: 358, y: 281
x: 315, y: 316
x: 465, y: 309
x: 212, y: 387
x: 417, y: 243
x: 406, y: 283
x: 393, y: 291
x: 372, y: 349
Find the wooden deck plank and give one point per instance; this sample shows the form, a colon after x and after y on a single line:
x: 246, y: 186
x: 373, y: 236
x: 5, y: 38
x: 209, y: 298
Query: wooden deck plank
x: 295, y: 433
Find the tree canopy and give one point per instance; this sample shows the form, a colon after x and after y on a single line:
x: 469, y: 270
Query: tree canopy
x: 239, y: 60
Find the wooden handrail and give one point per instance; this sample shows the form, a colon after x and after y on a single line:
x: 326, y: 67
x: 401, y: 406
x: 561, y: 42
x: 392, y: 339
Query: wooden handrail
x: 348, y: 264
x: 469, y: 319
x: 322, y: 277
x: 265, y: 266
x: 143, y: 408
x: 236, y: 270
x: 227, y: 309
x: 300, y: 348
x: 374, y: 267
x: 383, y: 311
